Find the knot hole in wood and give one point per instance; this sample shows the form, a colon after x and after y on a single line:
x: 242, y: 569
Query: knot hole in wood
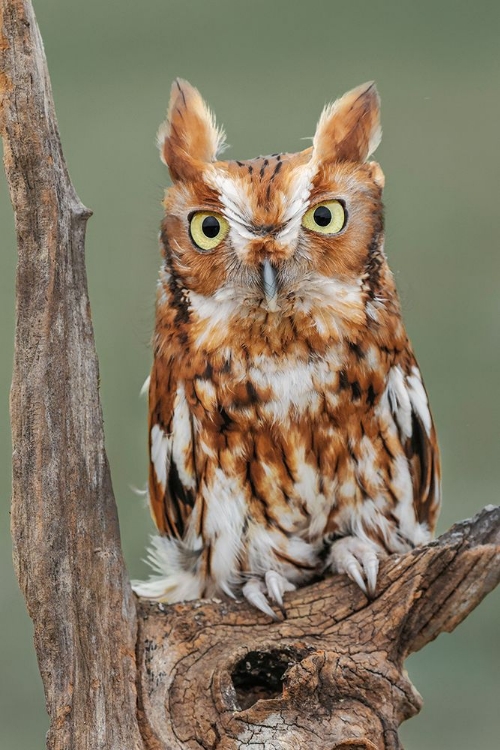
x: 259, y: 675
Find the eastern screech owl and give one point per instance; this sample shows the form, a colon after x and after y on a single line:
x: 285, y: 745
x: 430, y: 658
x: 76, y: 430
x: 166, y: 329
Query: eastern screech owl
x: 289, y: 428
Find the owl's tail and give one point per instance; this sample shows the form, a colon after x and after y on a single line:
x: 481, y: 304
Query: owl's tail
x: 176, y: 577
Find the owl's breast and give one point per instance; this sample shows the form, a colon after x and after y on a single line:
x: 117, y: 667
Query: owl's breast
x: 285, y: 425
x: 292, y: 449
x: 253, y: 392
x: 241, y: 390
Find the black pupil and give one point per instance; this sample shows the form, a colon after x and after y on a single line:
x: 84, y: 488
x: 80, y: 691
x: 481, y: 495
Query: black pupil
x: 322, y: 216
x: 210, y: 226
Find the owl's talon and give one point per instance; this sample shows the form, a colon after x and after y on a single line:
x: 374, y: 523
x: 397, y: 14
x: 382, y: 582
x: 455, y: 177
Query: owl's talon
x: 358, y: 560
x: 353, y: 571
x: 277, y: 585
x: 253, y: 593
x: 371, y: 565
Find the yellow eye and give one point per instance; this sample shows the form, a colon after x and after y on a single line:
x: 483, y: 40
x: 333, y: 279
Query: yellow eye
x: 328, y: 217
x: 207, y: 229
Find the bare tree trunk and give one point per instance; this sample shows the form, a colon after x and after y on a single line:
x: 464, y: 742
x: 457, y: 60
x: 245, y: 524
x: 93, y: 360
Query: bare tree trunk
x: 208, y: 674
x: 64, y: 523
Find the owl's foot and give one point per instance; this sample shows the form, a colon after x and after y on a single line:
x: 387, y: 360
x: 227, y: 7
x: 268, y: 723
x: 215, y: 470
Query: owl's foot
x: 357, y: 559
x: 274, y: 585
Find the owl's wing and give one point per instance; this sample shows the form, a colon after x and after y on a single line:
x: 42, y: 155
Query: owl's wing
x: 410, y: 408
x: 172, y: 473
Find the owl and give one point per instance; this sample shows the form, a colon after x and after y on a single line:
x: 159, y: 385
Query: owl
x: 289, y: 429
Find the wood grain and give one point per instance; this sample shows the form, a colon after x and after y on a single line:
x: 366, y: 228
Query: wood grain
x: 64, y: 523
x: 221, y: 675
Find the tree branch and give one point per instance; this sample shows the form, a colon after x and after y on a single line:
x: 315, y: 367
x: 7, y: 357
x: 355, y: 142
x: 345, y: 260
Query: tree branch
x: 330, y: 674
x: 64, y: 524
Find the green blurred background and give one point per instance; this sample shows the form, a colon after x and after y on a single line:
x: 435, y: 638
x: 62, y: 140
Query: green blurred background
x: 267, y: 68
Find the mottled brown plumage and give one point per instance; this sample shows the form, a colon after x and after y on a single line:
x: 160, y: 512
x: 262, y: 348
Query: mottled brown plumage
x: 289, y: 428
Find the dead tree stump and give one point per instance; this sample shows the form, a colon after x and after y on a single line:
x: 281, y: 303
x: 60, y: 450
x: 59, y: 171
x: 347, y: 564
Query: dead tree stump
x: 220, y: 675
x: 206, y: 675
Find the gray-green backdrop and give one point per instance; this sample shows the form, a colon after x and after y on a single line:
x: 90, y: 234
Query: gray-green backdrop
x: 267, y: 67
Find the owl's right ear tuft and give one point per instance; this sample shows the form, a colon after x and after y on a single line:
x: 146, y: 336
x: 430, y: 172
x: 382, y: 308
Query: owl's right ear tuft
x: 349, y: 129
x: 189, y: 139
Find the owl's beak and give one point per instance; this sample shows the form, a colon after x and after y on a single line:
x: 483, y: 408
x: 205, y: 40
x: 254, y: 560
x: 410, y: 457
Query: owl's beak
x: 270, y: 285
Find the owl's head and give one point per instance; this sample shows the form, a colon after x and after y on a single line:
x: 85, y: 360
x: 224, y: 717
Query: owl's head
x: 282, y: 235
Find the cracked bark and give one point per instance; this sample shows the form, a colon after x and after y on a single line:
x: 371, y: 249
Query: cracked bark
x: 205, y: 674
x: 220, y: 675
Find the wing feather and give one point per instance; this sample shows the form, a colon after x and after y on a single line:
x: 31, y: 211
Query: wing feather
x: 172, y: 475
x: 411, y: 412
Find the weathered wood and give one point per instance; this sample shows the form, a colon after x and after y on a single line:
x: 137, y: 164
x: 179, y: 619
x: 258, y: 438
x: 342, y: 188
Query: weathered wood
x: 221, y: 675
x: 210, y: 674
x: 64, y: 523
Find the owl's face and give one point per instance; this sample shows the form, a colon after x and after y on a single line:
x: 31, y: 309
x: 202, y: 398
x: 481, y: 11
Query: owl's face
x: 277, y: 234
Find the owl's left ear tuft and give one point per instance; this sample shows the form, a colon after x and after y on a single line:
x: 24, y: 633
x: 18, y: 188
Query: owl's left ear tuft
x: 189, y: 138
x: 349, y: 129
